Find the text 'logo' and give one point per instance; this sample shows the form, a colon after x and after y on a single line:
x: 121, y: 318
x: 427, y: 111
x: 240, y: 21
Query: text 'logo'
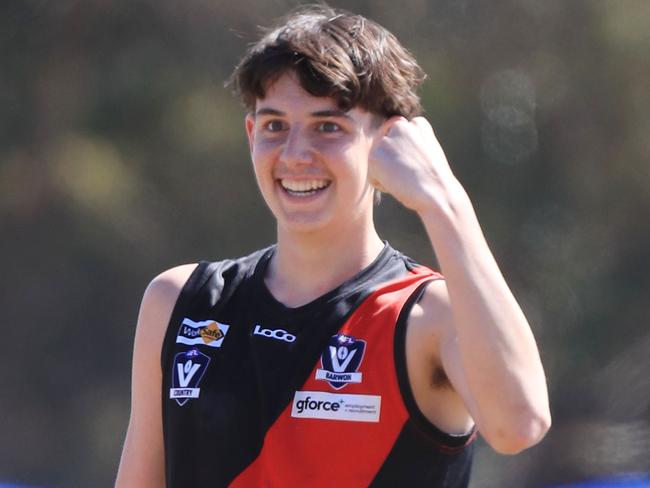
x: 278, y: 334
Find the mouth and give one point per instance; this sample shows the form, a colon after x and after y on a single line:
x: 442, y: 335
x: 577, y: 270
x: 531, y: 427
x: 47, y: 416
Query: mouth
x: 304, y: 188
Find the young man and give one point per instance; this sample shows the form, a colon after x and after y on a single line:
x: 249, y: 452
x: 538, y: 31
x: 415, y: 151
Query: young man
x: 331, y: 359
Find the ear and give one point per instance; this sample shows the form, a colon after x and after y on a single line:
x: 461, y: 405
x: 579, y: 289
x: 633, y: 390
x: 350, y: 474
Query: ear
x: 250, y: 126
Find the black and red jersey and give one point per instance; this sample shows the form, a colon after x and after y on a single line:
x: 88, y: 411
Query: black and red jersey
x: 256, y: 394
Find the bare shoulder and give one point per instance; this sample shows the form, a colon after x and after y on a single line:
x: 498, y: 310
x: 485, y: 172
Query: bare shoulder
x: 159, y: 300
x: 430, y: 328
x: 142, y: 456
x: 433, y: 308
x: 167, y: 285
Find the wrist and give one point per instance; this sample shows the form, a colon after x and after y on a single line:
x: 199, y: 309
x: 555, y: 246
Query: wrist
x: 445, y: 206
x: 452, y: 226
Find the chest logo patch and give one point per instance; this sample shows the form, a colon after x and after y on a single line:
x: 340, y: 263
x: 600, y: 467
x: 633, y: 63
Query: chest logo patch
x: 206, y: 332
x: 278, y: 334
x: 341, y: 360
x: 189, y: 368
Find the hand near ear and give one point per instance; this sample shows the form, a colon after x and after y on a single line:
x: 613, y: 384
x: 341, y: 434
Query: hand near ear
x: 408, y: 162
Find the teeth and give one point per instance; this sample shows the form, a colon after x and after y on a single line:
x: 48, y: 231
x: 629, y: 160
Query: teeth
x: 303, y: 186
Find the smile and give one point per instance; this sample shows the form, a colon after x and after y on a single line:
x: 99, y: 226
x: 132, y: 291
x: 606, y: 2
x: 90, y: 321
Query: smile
x: 304, y: 188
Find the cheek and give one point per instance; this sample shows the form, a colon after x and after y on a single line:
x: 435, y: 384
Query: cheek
x: 263, y: 147
x: 357, y: 156
x: 328, y: 148
x: 262, y: 154
x: 262, y: 167
x: 345, y: 149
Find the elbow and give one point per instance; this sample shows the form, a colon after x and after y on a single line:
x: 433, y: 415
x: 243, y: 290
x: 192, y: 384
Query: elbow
x: 520, y: 434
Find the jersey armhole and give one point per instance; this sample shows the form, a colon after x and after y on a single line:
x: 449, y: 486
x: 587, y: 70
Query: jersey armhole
x: 444, y: 440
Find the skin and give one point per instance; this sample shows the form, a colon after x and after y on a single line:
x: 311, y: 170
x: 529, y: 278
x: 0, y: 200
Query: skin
x: 295, y: 137
x: 480, y: 338
x: 471, y: 356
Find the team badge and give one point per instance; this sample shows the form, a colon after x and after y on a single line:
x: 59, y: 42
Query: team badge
x: 189, y: 368
x: 341, y: 360
x: 206, y: 332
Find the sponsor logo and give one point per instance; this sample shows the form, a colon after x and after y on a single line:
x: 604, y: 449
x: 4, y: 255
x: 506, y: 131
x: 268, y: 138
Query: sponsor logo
x: 341, y: 360
x: 335, y: 406
x: 205, y: 332
x: 279, y: 334
x: 189, y: 368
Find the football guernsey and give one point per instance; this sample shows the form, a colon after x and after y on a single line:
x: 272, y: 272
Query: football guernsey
x: 256, y: 394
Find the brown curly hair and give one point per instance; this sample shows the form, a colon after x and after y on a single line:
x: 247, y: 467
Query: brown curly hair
x: 335, y: 54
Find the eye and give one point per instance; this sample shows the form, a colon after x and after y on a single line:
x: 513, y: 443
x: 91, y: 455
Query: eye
x: 329, y: 127
x: 274, y: 125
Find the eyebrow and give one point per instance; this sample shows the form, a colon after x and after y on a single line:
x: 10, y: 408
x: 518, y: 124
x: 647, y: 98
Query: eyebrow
x: 331, y: 113
x: 268, y: 111
x: 318, y: 113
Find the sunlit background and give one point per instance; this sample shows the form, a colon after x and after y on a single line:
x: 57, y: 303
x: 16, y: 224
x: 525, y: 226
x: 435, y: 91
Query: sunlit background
x: 122, y: 154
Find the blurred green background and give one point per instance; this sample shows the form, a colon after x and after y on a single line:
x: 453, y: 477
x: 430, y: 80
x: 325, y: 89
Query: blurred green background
x: 122, y: 154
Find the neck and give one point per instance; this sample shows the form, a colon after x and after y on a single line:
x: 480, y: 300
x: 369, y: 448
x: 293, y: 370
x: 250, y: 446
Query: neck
x: 306, y: 266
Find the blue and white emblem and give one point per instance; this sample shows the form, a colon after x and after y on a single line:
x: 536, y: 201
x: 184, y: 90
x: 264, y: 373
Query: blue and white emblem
x: 341, y: 360
x: 189, y: 368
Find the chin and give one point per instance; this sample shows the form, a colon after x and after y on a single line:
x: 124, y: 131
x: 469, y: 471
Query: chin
x: 304, y: 223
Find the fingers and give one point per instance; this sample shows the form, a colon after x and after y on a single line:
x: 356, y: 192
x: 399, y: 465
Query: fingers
x: 423, y: 124
x: 389, y: 123
x: 396, y: 121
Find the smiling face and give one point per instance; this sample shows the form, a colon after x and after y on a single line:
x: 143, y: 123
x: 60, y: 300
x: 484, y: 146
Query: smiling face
x: 311, y: 159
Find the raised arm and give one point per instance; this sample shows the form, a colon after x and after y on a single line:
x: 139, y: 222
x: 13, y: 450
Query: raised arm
x: 471, y: 325
x: 142, y: 462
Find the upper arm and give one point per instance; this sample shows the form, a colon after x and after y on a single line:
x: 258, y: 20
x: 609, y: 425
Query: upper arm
x: 142, y: 463
x: 433, y: 363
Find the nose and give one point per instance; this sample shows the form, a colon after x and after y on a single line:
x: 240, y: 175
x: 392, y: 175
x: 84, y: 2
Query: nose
x: 297, y: 150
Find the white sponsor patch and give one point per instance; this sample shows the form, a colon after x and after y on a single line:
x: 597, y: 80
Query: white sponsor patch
x: 184, y: 392
x: 354, y: 377
x: 332, y: 406
x: 205, y: 332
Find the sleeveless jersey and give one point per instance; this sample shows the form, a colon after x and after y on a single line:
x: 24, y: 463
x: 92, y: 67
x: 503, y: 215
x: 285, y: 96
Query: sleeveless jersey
x: 256, y: 394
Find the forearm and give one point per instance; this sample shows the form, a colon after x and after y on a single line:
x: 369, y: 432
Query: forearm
x: 497, y: 351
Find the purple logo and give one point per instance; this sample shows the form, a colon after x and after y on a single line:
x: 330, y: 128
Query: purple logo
x: 341, y: 360
x: 189, y: 368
